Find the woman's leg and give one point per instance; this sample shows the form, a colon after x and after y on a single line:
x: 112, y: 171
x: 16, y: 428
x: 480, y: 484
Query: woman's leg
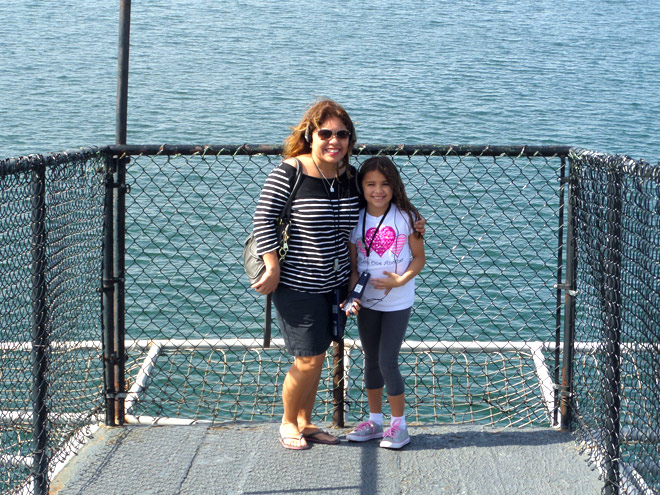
x: 311, y: 368
x: 300, y: 386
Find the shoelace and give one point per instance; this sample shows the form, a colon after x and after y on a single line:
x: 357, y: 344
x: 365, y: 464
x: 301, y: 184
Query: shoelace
x: 392, y: 430
x: 363, y: 426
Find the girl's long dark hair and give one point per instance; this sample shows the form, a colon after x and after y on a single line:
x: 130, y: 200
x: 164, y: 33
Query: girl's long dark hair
x: 386, y: 167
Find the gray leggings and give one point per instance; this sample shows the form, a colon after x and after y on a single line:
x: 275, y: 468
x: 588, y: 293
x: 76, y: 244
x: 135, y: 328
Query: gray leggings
x: 381, y: 334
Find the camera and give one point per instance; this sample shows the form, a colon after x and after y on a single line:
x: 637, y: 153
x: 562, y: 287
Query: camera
x: 358, y: 290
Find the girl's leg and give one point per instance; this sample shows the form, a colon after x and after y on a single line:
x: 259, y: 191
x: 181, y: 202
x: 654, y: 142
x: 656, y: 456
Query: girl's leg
x: 397, y: 405
x: 393, y: 330
x: 369, y: 328
x: 375, y: 399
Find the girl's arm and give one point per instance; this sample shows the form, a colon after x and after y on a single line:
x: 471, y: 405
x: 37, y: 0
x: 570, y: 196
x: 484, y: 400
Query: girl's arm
x: 392, y: 280
x: 352, y: 251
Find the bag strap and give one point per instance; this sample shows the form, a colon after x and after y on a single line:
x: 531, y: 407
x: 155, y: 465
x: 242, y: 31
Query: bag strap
x: 286, y: 211
x: 287, y: 207
x: 285, y: 215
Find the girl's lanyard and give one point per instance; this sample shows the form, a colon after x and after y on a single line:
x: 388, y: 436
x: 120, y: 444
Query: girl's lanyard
x: 364, y: 227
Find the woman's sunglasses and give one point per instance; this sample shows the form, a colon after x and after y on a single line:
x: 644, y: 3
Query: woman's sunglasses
x: 326, y: 134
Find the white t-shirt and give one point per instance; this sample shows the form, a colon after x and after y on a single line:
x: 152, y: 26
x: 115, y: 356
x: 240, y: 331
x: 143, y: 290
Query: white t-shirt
x: 389, y: 251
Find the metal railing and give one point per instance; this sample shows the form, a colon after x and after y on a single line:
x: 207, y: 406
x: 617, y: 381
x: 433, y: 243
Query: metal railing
x: 51, y: 387
x: 616, y: 387
x: 504, y: 331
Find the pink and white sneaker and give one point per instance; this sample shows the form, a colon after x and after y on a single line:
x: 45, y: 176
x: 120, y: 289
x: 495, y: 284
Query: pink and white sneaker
x: 365, y: 431
x: 395, y: 437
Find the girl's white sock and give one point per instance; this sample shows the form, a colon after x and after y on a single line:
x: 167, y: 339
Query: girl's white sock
x: 402, y: 421
x: 376, y: 418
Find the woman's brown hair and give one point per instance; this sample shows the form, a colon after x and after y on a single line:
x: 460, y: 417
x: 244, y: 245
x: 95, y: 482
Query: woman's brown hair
x: 296, y: 144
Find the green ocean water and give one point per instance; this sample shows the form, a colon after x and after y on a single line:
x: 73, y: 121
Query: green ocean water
x: 577, y: 73
x: 569, y: 73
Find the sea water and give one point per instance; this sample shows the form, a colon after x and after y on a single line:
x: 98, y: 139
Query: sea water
x: 576, y: 73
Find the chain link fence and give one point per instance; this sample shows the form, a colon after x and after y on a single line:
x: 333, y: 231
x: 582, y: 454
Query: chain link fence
x: 494, y: 303
x: 617, y: 332
x: 483, y: 333
x: 51, y: 374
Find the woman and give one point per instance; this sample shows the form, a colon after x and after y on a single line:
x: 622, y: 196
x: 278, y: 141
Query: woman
x: 314, y: 276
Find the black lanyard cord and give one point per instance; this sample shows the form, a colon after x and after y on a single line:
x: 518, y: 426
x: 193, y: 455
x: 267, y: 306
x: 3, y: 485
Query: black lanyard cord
x: 364, y: 226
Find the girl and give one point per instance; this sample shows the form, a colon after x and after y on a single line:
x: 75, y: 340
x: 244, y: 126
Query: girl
x: 385, y: 245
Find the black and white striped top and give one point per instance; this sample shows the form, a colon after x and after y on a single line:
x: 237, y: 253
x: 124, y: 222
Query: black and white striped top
x: 321, y: 224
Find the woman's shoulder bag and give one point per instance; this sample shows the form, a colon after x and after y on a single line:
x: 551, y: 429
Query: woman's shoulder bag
x: 252, y: 262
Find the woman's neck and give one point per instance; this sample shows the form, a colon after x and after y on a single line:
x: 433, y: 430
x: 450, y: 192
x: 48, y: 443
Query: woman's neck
x: 329, y: 170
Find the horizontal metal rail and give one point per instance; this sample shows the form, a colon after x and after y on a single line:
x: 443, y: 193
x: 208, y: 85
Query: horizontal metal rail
x: 440, y: 345
x: 366, y: 149
x: 10, y: 166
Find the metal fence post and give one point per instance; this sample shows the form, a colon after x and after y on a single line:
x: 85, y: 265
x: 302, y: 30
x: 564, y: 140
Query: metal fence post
x: 119, y: 274
x: 338, y: 384
x: 108, y: 295
x: 611, y: 294
x: 114, y: 256
x: 122, y: 70
x: 566, y: 387
x: 558, y: 310
x: 114, y: 232
x: 39, y: 332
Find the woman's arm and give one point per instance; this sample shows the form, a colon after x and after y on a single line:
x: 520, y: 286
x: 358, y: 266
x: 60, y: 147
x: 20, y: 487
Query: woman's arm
x: 271, y: 277
x: 420, y: 226
x: 271, y: 202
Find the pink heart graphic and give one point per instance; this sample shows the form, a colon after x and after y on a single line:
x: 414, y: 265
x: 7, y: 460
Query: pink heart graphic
x: 399, y: 244
x: 383, y: 240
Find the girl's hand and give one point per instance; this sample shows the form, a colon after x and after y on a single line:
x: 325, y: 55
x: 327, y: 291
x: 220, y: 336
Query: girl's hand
x: 353, y: 309
x: 390, y: 281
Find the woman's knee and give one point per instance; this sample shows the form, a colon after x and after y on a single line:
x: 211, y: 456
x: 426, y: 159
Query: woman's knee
x: 309, y: 363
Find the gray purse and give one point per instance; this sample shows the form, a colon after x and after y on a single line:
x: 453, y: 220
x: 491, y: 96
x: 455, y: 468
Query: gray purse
x: 254, y: 264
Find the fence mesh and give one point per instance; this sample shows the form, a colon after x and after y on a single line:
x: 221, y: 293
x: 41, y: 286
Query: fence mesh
x: 68, y: 198
x: 617, y: 350
x: 491, y: 247
x: 483, y: 341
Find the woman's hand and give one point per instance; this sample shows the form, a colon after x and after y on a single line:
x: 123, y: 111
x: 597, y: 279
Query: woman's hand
x: 420, y: 226
x: 271, y: 277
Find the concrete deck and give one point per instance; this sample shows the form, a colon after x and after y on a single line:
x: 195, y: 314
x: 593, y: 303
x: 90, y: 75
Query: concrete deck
x: 246, y: 458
